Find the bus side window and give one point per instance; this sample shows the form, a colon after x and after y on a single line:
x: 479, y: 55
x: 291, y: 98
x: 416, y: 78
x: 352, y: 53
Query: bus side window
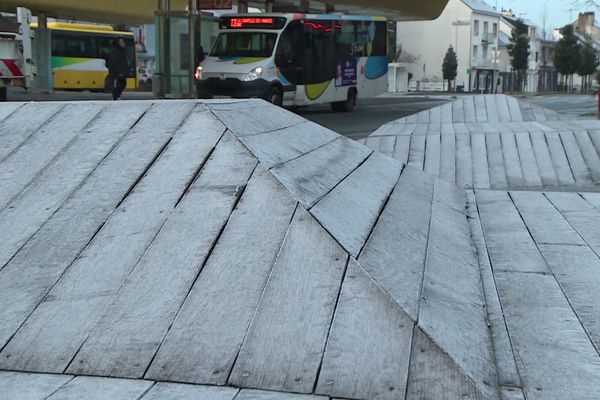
x: 289, y: 55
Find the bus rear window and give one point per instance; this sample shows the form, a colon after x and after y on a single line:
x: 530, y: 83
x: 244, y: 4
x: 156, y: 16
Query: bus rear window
x: 244, y: 44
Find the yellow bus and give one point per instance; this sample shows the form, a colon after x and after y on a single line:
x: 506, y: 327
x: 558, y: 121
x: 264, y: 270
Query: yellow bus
x: 79, y: 53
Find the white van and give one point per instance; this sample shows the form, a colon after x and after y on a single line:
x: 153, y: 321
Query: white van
x: 297, y: 59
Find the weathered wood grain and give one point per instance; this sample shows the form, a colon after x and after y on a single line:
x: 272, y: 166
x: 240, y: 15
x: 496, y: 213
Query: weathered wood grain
x: 94, y: 388
x: 251, y: 394
x: 350, y: 210
x: 503, y: 108
x: 313, y: 175
x: 577, y: 270
x: 216, y: 314
x: 23, y: 123
x: 416, y: 157
x: 446, y: 111
x: 178, y: 391
x: 544, y: 159
x: 395, y: 252
x: 281, y: 146
x: 6, y: 109
x: 544, y: 221
x: 382, y: 144
x: 21, y: 166
x: 458, y: 111
x: 480, y: 167
x: 531, y: 174
x: 242, y: 120
x: 26, y: 386
x: 284, y: 345
x: 526, y: 110
x: 510, y: 246
x: 432, y: 155
x: 464, y: 168
x: 559, y: 159
x: 480, y: 108
x: 512, y: 161
x: 402, y: 148
x: 556, y: 358
x: 448, y: 158
x: 496, y: 161
x: 370, y: 332
x: 515, y: 110
x: 59, y: 325
x: 39, y: 264
x: 469, y: 108
x: 128, y: 334
x: 492, y: 108
x: 590, y: 156
x: 576, y: 160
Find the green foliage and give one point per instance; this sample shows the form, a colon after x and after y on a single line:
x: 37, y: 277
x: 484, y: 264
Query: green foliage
x: 588, y: 61
x: 518, y: 48
x: 567, y: 52
x: 450, y: 64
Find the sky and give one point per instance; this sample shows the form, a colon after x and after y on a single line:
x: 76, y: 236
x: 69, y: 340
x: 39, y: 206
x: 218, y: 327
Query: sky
x: 560, y: 12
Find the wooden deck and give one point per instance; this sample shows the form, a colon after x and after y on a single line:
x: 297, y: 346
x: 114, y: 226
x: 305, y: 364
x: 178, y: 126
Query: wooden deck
x: 234, y: 247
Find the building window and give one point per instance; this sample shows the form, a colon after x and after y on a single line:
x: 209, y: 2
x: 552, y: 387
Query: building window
x: 495, y: 30
x: 476, y: 28
x: 475, y: 51
x: 485, y: 53
x: 486, y: 28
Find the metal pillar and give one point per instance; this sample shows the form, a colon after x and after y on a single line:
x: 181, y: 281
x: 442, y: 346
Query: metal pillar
x: 161, y: 85
x: 193, y: 30
x: 242, y: 7
x: 43, y: 60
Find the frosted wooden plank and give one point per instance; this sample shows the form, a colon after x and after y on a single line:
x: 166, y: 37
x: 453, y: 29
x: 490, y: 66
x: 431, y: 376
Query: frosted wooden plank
x: 526, y: 110
x: 350, y: 210
x: 435, y: 116
x: 178, y: 391
x: 464, y: 171
x: 557, y: 359
x: 480, y: 108
x: 243, y: 121
x: 595, y: 137
x: 92, y: 388
x: 447, y: 129
x: 460, y: 129
x: 544, y: 221
x: 423, y: 117
x: 592, y: 161
x: 285, y: 342
x: 402, y: 148
x: 432, y: 155
x: 434, y: 375
x: 474, y: 128
x: 576, y: 161
x: 25, y: 280
x: 469, y: 109
x: 59, y: 325
x: 515, y: 110
x: 577, y: 270
x: 20, y: 167
x: 370, y: 332
x: 395, y: 253
x: 23, y: 123
x: 126, y: 337
x: 215, y: 316
x: 592, y: 198
x: 510, y: 246
x: 416, y: 158
x: 313, y: 175
x: 503, y: 109
x: 538, y: 113
x: 491, y: 107
x: 448, y: 158
x: 412, y: 119
x: 512, y: 162
x: 390, y: 129
x: 446, y: 110
x: 561, y: 163
x: 531, y: 174
x: 382, y: 144
x: 251, y: 394
x: 582, y: 216
x: 495, y: 161
x: 505, y: 359
x: 511, y: 393
x: 544, y: 159
x: 458, y: 111
x: 25, y: 386
x: 283, y: 145
x: 6, y: 109
x: 452, y: 303
x: 481, y: 175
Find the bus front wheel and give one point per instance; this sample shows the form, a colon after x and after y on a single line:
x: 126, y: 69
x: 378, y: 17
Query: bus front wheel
x: 275, y: 96
x: 348, y: 104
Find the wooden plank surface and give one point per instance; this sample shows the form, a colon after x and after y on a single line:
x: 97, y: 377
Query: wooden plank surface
x: 126, y: 337
x: 95, y: 388
x: 512, y: 161
x: 284, y: 344
x: 531, y: 174
x: 24, y: 122
x: 544, y: 221
x: 515, y: 110
x: 576, y: 160
x: 557, y: 360
x: 433, y: 147
x: 469, y: 109
x: 283, y: 145
x: 416, y: 157
x: 217, y: 312
x: 491, y: 108
x: 242, y: 121
x: 178, y: 391
x: 503, y: 108
x: 446, y: 110
x: 350, y: 210
x: 480, y: 167
x: 313, y: 175
x: 559, y: 159
x: 589, y: 153
x: 577, y: 270
x: 448, y: 158
x: 24, y: 282
x: 370, y: 332
x: 496, y: 162
x: 464, y: 168
x: 59, y: 325
x: 395, y: 252
x: 510, y: 246
x: 402, y: 148
x: 544, y: 159
x: 251, y: 394
x: 6, y: 109
x: 382, y: 144
x: 26, y: 386
x: 480, y: 108
x: 21, y: 166
x: 458, y: 111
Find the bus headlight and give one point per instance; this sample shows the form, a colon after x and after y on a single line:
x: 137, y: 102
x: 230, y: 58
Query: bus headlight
x: 254, y: 74
x: 198, y: 73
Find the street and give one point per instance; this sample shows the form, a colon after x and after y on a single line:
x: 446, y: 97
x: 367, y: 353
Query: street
x: 573, y: 105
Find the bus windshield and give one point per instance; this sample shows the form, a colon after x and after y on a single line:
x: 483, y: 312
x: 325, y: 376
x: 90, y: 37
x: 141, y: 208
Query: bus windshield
x: 244, y: 44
